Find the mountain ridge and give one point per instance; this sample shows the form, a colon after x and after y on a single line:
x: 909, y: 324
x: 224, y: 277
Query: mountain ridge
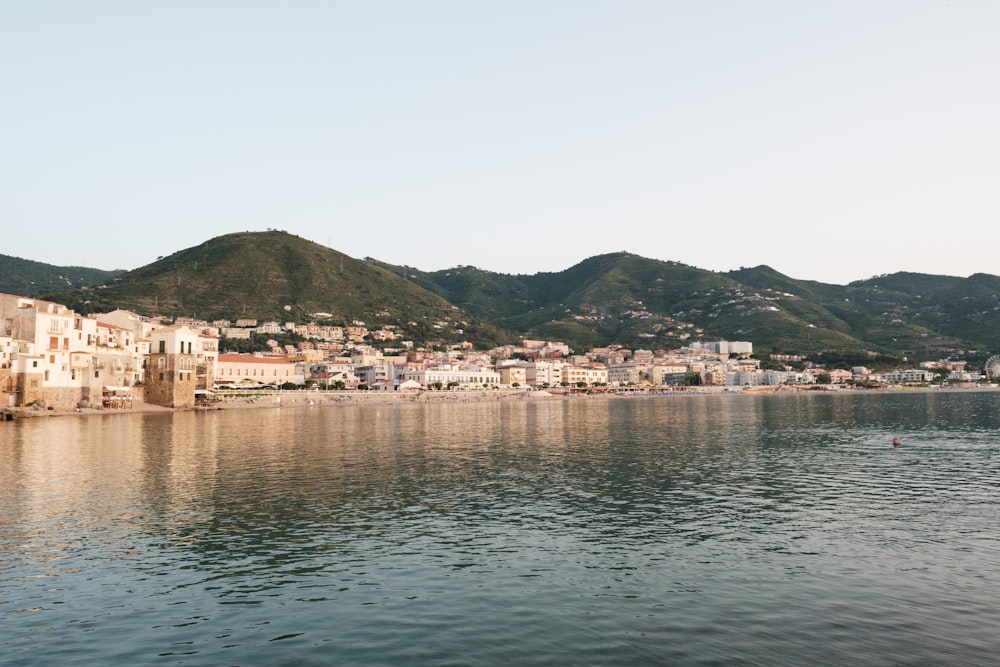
x: 617, y: 297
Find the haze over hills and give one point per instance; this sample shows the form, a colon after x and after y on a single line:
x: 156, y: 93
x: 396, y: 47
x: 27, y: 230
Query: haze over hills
x: 614, y: 298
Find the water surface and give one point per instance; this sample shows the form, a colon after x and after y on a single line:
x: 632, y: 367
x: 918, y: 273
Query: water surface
x: 698, y: 530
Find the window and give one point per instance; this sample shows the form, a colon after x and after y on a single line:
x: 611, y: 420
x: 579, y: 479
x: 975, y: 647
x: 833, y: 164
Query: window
x: 163, y: 346
x: 161, y: 363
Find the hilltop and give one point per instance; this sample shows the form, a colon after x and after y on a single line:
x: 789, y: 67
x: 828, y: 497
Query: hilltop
x: 278, y: 276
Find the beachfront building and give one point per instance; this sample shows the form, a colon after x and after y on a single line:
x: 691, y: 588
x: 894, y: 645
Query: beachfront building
x: 447, y: 375
x: 590, y: 376
x: 8, y: 348
x: 171, y: 367
x: 840, y: 376
x: 512, y: 374
x: 118, y: 357
x: 380, y: 376
x: 548, y: 373
x: 248, y: 370
x: 905, y: 376
x: 626, y: 374
x: 50, y: 354
x: 667, y: 374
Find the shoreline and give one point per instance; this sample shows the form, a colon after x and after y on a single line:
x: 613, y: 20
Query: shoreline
x: 311, y: 398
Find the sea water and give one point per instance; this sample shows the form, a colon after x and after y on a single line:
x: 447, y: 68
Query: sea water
x: 695, y: 530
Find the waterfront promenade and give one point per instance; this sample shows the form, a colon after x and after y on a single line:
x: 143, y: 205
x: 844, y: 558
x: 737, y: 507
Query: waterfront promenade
x: 273, y: 399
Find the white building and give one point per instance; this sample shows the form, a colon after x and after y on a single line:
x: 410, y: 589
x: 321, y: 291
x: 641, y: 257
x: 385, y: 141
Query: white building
x: 544, y: 373
x: 470, y: 377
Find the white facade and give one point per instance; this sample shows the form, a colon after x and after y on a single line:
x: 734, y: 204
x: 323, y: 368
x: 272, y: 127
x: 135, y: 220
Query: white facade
x: 544, y: 373
x: 472, y: 377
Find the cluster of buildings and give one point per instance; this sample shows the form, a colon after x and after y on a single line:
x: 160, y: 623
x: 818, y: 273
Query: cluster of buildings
x: 51, y: 356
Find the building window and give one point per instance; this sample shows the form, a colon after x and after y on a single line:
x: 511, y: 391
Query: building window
x: 163, y: 346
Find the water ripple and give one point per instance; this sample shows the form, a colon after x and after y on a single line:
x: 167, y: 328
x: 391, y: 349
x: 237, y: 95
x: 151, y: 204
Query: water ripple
x: 735, y: 530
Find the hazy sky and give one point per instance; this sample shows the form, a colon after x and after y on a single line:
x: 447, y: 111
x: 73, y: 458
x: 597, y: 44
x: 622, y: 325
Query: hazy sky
x: 831, y: 141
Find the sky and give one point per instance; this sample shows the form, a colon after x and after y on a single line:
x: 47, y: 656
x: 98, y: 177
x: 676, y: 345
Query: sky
x: 831, y: 141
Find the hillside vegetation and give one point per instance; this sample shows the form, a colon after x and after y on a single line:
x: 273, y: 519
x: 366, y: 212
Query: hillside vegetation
x: 616, y: 298
x: 29, y: 278
x: 281, y: 277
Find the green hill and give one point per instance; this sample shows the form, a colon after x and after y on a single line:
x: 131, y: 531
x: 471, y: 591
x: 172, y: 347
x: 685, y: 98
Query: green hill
x: 280, y: 277
x: 28, y: 278
x: 615, y: 298
x: 640, y: 302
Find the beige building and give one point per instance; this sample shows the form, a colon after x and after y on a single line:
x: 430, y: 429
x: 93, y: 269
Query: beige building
x: 511, y: 375
x: 544, y: 373
x: 50, y: 354
x: 587, y: 375
x: 470, y: 377
x: 250, y: 370
x: 170, y: 370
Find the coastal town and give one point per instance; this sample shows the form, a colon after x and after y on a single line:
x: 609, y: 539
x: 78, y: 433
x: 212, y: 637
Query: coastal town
x: 54, y: 358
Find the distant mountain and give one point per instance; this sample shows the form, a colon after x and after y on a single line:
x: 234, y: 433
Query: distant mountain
x: 613, y: 298
x: 639, y: 302
x: 29, y: 278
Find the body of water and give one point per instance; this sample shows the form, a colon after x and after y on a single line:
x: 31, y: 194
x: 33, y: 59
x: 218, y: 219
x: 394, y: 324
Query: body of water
x: 697, y: 530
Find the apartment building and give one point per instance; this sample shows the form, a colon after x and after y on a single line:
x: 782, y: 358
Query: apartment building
x: 49, y: 353
x: 464, y: 377
x: 590, y: 376
x: 544, y: 373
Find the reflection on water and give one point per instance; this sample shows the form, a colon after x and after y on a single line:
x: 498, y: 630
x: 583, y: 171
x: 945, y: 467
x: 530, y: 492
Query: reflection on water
x: 699, y: 530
